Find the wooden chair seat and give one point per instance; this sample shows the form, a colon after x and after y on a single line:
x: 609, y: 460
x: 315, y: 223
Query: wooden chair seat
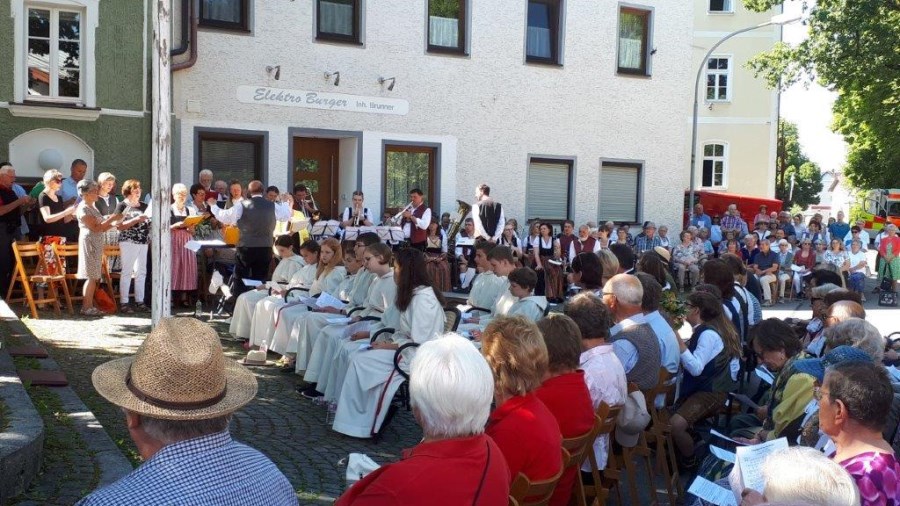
x: 524, y: 492
x: 659, y: 435
x: 68, y: 256
x: 604, y: 424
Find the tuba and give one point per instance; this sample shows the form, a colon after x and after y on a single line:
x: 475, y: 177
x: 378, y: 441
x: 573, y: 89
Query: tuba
x: 455, y: 224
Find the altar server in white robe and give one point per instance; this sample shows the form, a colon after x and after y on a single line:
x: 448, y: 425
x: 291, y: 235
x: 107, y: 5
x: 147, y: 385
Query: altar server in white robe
x: 382, y: 292
x: 370, y: 382
x: 288, y: 265
x: 290, y: 322
x: 521, y: 288
x: 265, y: 308
x: 487, y: 286
x: 329, y: 274
x: 502, y: 262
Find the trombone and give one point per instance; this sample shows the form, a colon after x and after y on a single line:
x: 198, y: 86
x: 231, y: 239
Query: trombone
x: 399, y: 216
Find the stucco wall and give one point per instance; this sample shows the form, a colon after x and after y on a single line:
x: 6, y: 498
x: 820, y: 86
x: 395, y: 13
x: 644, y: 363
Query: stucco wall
x: 489, y: 110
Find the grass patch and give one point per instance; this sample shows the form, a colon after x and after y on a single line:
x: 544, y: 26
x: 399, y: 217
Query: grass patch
x: 26, y: 363
x: 65, y: 452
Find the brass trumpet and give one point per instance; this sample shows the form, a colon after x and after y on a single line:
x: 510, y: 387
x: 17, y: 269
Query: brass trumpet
x: 396, y: 220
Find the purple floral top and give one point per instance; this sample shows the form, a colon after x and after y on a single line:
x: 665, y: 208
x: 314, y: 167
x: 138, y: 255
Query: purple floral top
x: 877, y: 476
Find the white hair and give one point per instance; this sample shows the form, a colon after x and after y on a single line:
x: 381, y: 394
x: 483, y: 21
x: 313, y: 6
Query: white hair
x: 821, y: 291
x: 6, y: 168
x: 626, y: 288
x: 804, y: 474
x: 179, y: 188
x: 206, y: 172
x: 450, y: 387
x: 859, y: 334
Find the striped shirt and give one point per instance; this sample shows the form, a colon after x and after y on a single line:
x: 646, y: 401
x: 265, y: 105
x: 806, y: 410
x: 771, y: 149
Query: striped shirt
x: 211, y: 469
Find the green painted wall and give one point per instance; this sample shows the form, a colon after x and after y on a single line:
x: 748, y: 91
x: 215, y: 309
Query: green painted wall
x: 121, y: 144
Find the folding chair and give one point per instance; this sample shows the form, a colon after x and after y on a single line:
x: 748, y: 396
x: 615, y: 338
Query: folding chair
x: 605, y: 422
x: 65, y: 252
x: 51, y: 274
x: 112, y: 254
x: 630, y: 458
x: 659, y: 435
x: 577, y: 449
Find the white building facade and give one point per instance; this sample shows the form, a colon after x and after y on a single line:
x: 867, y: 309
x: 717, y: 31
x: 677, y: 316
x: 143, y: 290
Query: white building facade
x: 567, y: 109
x: 738, y: 119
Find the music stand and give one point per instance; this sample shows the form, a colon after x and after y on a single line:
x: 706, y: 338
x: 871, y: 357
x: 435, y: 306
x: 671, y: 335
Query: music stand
x: 325, y: 228
x: 390, y: 234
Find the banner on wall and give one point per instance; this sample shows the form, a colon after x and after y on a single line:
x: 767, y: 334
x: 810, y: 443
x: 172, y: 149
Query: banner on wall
x: 321, y: 100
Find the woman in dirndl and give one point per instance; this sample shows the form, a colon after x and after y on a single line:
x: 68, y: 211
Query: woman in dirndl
x: 436, y: 256
x: 546, y: 252
x: 184, y: 261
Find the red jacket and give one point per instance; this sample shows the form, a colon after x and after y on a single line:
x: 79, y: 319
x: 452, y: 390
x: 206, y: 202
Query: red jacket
x: 450, y: 472
x: 528, y: 436
x: 567, y: 397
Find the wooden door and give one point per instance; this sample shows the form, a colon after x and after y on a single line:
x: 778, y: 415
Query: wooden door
x: 316, y: 166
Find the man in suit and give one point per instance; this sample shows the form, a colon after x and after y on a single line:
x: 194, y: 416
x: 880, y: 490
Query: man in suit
x: 487, y: 215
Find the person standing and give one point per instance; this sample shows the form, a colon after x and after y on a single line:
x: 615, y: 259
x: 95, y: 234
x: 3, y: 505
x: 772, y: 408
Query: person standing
x: 184, y: 261
x: 839, y: 229
x: 57, y: 213
x: 889, y: 252
x: 69, y: 190
x: 20, y: 192
x: 357, y: 215
x: 134, y: 235
x: 255, y: 217
x: 416, y: 220
x: 90, y: 243
x: 10, y: 220
x: 487, y: 214
x: 303, y: 201
x: 206, y: 182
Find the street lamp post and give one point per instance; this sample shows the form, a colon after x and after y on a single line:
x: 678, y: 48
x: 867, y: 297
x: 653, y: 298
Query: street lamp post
x: 781, y: 20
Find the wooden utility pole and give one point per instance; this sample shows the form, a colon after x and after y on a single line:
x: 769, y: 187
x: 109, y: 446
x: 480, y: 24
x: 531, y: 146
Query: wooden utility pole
x: 160, y: 242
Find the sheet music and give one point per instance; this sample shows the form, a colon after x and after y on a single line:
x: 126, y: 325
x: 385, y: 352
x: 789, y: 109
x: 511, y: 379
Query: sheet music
x: 251, y: 283
x: 195, y: 246
x: 765, y: 375
x: 714, y: 432
x: 743, y: 399
x: 711, y: 492
x: 327, y: 300
x: 747, y: 471
x: 798, y: 268
x: 725, y: 455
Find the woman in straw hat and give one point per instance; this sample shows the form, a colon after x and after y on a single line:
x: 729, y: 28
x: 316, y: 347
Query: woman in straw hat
x: 178, y: 393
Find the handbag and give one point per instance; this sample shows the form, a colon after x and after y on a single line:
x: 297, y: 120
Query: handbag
x: 887, y: 297
x: 103, y: 301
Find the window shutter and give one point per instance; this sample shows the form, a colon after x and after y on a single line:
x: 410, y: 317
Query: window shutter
x: 618, y: 193
x: 548, y: 190
x: 230, y: 159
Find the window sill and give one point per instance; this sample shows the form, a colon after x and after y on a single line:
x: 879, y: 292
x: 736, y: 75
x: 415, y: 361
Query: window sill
x: 714, y: 188
x: 446, y: 51
x: 339, y: 40
x: 720, y: 13
x: 54, y: 111
x: 543, y: 63
x: 634, y: 74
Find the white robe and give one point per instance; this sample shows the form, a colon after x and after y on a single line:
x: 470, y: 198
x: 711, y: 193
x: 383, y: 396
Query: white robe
x: 370, y: 382
x: 262, y: 324
x: 486, y: 289
x: 285, y: 316
x: 246, y: 302
x: 326, y: 339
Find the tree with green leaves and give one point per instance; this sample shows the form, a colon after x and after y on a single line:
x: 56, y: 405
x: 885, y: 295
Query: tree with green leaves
x: 792, y: 162
x: 851, y: 49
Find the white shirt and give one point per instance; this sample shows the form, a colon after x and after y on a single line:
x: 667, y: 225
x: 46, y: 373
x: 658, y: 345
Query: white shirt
x: 571, y: 251
x: 420, y: 222
x: 863, y: 238
x: 231, y: 215
x: 366, y: 215
x: 855, y: 259
x: 479, y: 228
x: 709, y: 345
x: 605, y: 380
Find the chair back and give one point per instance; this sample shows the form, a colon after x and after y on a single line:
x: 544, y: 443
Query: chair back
x: 64, y: 252
x: 452, y: 316
x: 525, y: 492
x: 112, y: 250
x: 578, y: 446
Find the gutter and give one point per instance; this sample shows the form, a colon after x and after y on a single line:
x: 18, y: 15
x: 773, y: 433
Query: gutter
x: 192, y: 19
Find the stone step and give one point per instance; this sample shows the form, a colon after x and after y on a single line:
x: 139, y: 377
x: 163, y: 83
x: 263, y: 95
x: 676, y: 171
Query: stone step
x: 28, y: 351
x: 44, y: 378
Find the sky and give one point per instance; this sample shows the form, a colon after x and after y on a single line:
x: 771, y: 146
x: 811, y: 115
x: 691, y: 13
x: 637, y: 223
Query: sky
x: 810, y: 109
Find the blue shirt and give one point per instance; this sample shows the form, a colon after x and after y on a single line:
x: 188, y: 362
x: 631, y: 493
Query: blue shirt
x: 839, y: 229
x: 643, y: 243
x: 211, y: 469
x: 20, y: 192
x: 703, y: 221
x: 68, y: 190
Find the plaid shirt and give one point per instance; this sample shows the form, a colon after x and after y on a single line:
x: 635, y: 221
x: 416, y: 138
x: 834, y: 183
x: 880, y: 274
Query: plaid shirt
x: 730, y: 222
x: 642, y: 243
x: 210, y: 469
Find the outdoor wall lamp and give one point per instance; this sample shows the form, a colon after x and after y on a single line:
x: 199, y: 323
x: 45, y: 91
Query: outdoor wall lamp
x: 274, y: 69
x: 382, y: 80
x: 335, y: 75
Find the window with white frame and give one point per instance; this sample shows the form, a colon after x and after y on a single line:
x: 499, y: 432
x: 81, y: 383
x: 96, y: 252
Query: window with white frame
x: 54, y: 54
x: 715, y: 165
x: 718, y: 78
x: 54, y: 47
x: 720, y: 6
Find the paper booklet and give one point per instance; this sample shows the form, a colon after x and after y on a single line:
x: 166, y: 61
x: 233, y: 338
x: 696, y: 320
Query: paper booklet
x: 712, y: 492
x: 748, y: 461
x: 251, y: 283
x: 191, y: 221
x: 325, y: 299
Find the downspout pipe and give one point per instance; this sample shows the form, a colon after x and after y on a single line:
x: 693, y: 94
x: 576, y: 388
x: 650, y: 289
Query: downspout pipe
x: 192, y: 58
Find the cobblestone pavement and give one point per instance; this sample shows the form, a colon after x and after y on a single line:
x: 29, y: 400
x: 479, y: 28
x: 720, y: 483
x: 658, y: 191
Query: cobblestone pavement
x: 280, y: 423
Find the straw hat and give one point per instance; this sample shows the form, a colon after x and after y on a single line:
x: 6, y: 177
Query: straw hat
x: 178, y: 373
x: 664, y: 253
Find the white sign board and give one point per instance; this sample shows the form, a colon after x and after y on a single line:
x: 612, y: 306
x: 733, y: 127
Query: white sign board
x: 320, y: 100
